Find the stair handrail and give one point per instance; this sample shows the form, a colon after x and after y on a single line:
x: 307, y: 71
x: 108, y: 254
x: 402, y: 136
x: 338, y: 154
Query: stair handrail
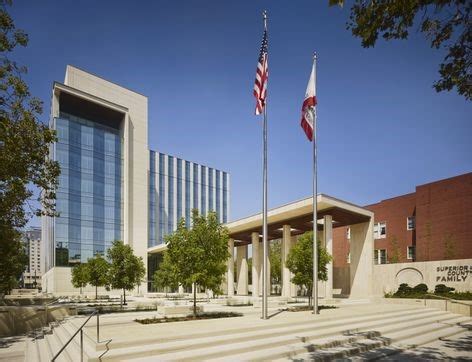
x: 80, y: 329
x: 447, y: 299
x: 452, y: 300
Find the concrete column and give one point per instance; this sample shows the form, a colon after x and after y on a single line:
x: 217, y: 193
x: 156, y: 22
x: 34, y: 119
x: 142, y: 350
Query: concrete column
x: 241, y: 263
x: 328, y: 241
x: 230, y: 274
x: 286, y: 275
x: 181, y: 289
x: 361, y: 266
x: 256, y: 265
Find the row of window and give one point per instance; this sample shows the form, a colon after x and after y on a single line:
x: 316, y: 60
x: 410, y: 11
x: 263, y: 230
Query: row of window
x: 380, y: 255
x: 380, y: 228
x: 161, y: 218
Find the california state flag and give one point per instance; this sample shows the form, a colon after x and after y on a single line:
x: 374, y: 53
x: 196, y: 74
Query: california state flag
x: 309, y: 104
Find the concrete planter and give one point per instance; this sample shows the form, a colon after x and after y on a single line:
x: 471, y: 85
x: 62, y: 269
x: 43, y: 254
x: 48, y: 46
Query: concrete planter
x: 175, y: 310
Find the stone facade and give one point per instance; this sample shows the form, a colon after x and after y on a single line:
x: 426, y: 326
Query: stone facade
x: 453, y: 273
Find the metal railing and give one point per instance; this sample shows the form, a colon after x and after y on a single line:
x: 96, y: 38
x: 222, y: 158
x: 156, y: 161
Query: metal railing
x: 81, y: 331
x: 447, y: 299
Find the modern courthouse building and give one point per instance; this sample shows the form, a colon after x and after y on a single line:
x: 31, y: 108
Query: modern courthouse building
x: 112, y: 186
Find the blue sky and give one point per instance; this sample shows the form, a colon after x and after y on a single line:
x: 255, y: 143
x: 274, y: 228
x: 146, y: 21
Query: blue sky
x: 382, y: 127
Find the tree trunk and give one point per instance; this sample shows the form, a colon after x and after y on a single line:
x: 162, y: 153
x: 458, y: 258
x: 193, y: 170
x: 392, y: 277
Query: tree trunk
x: 96, y: 292
x: 124, y: 296
x: 194, y: 300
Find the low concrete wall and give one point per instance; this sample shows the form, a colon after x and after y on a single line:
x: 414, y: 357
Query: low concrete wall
x: 19, y: 320
x: 453, y: 273
x: 458, y: 307
x: 175, y: 310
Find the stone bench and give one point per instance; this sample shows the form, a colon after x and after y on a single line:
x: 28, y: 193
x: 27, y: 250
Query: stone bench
x: 279, y: 302
x: 173, y: 310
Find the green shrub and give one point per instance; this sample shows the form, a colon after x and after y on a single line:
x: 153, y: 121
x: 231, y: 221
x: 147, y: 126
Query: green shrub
x: 421, y: 288
x: 403, y: 290
x: 442, y: 289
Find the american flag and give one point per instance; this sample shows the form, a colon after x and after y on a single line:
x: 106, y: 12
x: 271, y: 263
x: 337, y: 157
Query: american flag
x: 262, y: 74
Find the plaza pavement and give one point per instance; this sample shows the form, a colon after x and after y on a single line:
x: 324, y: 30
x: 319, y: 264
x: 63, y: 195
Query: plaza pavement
x: 353, y: 331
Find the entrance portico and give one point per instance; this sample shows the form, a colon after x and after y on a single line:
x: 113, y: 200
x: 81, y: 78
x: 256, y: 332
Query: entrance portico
x: 289, y: 221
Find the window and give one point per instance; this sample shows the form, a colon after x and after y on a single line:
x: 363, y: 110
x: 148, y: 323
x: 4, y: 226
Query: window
x: 411, y: 252
x: 348, y: 259
x: 348, y: 233
x: 380, y: 256
x: 380, y: 230
x: 410, y: 223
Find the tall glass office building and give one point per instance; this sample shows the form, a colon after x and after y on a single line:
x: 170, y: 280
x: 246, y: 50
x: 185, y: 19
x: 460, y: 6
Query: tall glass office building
x: 176, y: 187
x: 90, y: 186
x: 112, y: 187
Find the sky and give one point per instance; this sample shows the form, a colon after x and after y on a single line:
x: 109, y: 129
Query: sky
x: 382, y: 128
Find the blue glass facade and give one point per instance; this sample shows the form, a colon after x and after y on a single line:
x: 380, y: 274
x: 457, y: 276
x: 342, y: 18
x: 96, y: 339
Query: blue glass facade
x: 89, y: 198
x: 178, y: 186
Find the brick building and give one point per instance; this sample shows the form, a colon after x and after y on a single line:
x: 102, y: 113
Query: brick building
x: 432, y: 223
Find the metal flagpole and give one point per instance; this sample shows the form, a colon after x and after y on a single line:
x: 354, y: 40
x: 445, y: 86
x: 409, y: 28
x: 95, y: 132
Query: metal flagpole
x: 264, y: 204
x: 315, y: 223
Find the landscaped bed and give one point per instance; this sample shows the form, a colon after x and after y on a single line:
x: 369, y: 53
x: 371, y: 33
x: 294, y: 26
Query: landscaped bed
x: 420, y: 291
x: 207, y: 315
x: 304, y: 308
x: 114, y: 309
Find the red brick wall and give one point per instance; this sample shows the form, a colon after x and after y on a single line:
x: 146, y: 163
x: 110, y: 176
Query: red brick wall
x: 444, y: 219
x: 395, y: 212
x: 443, y: 212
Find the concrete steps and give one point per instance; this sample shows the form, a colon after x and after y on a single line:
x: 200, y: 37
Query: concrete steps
x: 251, y: 338
x: 45, y: 347
x: 390, y: 343
x: 373, y: 334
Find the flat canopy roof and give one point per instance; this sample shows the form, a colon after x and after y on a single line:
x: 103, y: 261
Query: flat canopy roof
x: 299, y: 215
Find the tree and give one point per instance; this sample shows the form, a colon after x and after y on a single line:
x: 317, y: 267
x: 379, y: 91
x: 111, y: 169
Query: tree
x: 97, y: 272
x: 24, y: 147
x: 80, y: 276
x: 12, y: 261
x: 275, y: 257
x: 165, y: 277
x: 300, y: 262
x: 126, y: 269
x: 445, y: 23
x: 199, y: 255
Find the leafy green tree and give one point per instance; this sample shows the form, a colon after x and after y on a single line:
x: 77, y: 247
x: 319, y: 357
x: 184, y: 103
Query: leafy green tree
x: 24, y: 147
x: 300, y: 262
x: 97, y: 272
x: 166, y: 276
x: 13, y: 259
x: 275, y: 257
x: 445, y: 23
x: 80, y: 276
x: 199, y: 254
x: 126, y: 269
